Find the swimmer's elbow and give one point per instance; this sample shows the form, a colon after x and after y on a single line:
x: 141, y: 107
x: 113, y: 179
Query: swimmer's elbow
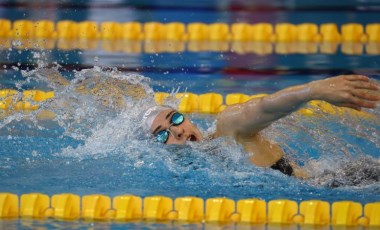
x: 243, y: 119
x: 259, y: 108
x: 257, y: 116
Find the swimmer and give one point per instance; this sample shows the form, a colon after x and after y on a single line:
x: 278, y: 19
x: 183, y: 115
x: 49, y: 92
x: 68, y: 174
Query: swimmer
x: 241, y: 121
x: 244, y: 121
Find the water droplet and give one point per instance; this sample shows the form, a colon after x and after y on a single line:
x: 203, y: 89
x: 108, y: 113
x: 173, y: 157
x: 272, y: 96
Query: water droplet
x: 16, y: 43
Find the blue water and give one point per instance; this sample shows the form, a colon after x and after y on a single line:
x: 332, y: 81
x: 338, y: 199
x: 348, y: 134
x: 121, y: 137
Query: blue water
x: 106, y: 156
x: 100, y: 151
x: 43, y: 156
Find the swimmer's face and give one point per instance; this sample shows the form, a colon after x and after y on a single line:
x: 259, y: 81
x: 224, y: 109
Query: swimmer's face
x: 179, y: 134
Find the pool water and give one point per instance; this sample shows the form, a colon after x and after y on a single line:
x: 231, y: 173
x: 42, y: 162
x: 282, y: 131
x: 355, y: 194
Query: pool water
x: 97, y: 150
x: 88, y: 148
x: 91, y: 150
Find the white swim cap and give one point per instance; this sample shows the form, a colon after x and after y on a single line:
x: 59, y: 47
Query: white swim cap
x: 151, y: 114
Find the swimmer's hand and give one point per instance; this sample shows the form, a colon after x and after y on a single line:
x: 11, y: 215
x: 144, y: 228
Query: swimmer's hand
x: 247, y: 119
x: 352, y: 91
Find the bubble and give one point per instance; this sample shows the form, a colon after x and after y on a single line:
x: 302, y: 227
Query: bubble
x: 34, y: 153
x: 139, y: 163
x: 36, y: 55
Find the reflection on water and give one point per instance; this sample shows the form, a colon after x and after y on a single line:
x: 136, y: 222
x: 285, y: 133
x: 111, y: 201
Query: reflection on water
x: 172, y: 46
x: 56, y: 224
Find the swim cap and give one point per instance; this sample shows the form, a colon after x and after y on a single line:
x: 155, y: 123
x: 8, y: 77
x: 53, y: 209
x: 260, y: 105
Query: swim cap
x: 151, y: 114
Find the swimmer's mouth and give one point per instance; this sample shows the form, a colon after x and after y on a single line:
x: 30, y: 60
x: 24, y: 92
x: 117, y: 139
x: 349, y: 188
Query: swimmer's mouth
x: 192, y: 138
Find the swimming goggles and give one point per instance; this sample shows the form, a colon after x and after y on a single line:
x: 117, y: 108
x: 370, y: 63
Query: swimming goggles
x: 176, y: 119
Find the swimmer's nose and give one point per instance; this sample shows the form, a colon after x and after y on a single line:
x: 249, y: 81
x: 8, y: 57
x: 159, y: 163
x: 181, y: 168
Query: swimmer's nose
x: 177, y: 131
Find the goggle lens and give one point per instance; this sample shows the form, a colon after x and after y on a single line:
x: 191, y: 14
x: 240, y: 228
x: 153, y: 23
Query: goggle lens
x: 163, y: 135
x: 177, y: 119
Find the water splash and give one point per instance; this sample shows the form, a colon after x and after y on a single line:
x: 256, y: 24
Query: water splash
x: 336, y: 150
x: 101, y: 109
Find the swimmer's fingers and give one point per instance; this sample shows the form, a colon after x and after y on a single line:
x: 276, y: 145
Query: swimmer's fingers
x: 365, y: 95
x: 357, y: 101
x: 356, y: 77
x: 363, y: 85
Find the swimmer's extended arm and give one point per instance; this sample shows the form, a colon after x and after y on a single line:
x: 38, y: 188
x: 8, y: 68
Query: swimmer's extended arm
x: 247, y: 119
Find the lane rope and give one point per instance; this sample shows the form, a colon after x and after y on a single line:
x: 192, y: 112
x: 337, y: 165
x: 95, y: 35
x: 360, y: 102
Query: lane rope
x: 69, y: 206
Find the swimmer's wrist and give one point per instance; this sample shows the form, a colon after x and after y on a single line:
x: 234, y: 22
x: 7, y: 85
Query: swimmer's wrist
x: 315, y: 91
